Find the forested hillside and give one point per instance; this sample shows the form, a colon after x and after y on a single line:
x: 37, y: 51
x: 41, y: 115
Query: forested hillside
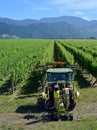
x: 58, y: 27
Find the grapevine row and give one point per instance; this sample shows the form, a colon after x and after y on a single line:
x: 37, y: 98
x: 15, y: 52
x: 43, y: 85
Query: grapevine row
x: 85, y: 60
x: 85, y: 45
x: 26, y: 56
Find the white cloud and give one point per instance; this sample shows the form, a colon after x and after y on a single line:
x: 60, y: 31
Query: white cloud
x: 86, y: 18
x: 79, y: 8
x: 76, y: 4
x: 78, y: 13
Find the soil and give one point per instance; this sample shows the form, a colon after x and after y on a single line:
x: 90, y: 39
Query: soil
x: 34, y: 120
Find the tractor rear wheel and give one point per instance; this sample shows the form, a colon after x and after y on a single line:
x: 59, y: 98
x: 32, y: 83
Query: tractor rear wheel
x: 71, y: 117
x: 54, y: 117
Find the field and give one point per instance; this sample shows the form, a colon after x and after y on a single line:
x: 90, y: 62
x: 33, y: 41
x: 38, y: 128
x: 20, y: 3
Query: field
x: 20, y: 82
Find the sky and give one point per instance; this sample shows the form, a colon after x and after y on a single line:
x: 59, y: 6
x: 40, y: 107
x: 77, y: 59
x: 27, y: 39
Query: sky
x: 37, y: 9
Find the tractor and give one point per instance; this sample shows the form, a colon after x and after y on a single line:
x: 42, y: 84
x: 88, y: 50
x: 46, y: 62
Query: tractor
x: 58, y: 90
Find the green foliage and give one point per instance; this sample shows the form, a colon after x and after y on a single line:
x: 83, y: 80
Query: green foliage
x: 33, y: 83
x: 84, y: 53
x: 18, y: 58
x: 66, y: 54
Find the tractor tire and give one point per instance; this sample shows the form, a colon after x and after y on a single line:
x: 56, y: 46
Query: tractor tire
x: 49, y: 105
x: 64, y: 117
x: 71, y: 117
x: 56, y: 117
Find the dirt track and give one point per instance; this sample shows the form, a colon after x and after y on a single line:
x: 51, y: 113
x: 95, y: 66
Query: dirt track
x: 85, y: 110
x: 35, y: 120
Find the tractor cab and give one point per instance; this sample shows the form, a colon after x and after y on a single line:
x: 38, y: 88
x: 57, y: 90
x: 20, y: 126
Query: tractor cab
x: 59, y: 75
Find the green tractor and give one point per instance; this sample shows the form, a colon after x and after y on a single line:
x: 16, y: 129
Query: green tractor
x: 58, y: 91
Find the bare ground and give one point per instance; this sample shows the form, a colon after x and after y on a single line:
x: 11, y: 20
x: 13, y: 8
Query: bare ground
x: 34, y: 120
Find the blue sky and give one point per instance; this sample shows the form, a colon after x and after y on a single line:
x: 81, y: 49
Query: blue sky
x: 37, y: 9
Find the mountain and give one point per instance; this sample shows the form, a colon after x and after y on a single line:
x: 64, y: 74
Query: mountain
x: 77, y: 21
x: 18, y: 22
x: 55, y: 27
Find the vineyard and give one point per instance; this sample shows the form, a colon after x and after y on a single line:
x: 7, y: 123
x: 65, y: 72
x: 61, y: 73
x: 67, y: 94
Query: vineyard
x: 18, y: 60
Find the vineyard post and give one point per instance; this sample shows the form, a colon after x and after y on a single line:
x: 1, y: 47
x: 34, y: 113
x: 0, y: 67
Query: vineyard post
x: 12, y: 84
